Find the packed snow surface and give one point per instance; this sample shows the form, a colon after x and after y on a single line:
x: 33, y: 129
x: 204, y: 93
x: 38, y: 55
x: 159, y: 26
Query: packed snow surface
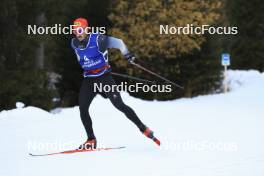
x: 214, y: 135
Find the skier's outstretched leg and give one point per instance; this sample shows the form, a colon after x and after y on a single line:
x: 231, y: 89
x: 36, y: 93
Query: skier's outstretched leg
x: 117, y: 101
x: 120, y: 105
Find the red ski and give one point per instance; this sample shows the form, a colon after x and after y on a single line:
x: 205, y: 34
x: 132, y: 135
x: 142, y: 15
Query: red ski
x: 77, y: 151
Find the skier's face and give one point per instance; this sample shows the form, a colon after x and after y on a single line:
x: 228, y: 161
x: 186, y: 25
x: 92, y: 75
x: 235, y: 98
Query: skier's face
x: 80, y: 33
x: 81, y: 37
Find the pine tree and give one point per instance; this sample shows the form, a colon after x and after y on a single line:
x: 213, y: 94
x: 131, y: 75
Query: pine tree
x: 175, y: 56
x: 20, y: 78
x: 246, y: 48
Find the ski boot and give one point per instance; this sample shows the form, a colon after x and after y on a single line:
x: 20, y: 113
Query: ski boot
x: 90, y: 144
x: 150, y: 134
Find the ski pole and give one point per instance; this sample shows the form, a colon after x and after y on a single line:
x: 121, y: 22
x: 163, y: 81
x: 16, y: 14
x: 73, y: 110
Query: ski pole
x: 132, y: 77
x: 155, y: 74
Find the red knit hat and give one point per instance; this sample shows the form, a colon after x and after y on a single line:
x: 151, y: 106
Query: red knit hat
x: 80, y: 22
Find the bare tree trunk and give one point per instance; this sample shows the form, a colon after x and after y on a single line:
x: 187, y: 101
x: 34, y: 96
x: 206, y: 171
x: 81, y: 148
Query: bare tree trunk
x: 40, y: 52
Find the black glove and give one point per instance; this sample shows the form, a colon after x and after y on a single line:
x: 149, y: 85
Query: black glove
x: 130, y: 57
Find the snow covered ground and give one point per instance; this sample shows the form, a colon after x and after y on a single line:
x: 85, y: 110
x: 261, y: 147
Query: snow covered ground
x: 214, y: 135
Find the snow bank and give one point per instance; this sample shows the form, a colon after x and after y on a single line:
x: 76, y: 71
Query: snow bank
x: 219, y: 134
x: 237, y: 79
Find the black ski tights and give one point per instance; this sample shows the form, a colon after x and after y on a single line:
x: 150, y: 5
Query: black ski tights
x: 87, y: 94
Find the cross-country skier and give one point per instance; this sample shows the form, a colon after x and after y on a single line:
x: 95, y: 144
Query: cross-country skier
x: 91, y: 51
